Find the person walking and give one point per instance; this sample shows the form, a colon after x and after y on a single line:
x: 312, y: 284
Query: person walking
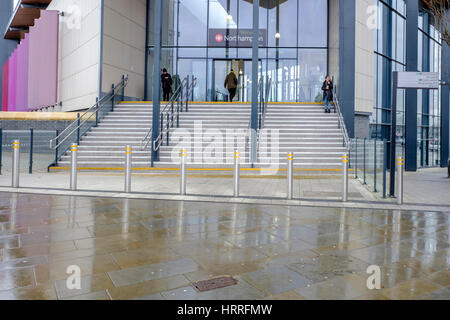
x: 166, y: 82
x: 327, y: 88
x: 231, y: 83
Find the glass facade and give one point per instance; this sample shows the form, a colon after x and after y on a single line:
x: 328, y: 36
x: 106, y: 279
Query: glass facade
x: 389, y: 56
x: 390, y: 50
x: 428, y: 101
x: 293, y: 46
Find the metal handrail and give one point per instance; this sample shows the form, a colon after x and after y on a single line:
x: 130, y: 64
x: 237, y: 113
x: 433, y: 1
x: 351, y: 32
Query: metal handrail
x: 169, y: 114
x: 146, y: 140
x: 341, y: 122
x: 57, y: 142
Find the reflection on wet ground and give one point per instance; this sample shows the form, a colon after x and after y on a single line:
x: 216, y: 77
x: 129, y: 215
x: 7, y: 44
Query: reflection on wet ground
x: 149, y: 249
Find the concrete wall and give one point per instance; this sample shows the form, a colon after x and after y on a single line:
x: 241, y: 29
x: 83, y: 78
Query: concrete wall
x: 333, y: 40
x: 6, y: 46
x: 124, y: 36
x: 79, y: 52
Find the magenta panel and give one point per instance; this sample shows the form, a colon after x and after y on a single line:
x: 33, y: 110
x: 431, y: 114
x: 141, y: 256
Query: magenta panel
x: 22, y: 75
x: 43, y: 61
x: 5, y: 86
x: 12, y: 81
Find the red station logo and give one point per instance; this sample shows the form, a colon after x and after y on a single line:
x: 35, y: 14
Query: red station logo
x: 219, y: 38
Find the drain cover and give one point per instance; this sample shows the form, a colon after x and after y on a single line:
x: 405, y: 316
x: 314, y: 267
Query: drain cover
x: 215, y: 283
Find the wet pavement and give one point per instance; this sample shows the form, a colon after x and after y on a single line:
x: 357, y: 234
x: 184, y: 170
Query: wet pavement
x: 154, y: 249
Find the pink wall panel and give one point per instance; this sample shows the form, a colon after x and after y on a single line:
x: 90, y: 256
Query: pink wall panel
x: 12, y: 81
x: 22, y: 75
x: 43, y: 61
x: 5, y: 86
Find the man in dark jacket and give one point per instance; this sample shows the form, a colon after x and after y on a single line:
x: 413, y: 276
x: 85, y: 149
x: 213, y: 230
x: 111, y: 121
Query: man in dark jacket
x: 166, y: 82
x: 327, y: 88
x: 231, y: 84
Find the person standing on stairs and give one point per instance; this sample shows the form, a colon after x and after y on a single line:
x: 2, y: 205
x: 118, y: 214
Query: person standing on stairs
x: 327, y: 88
x: 231, y: 83
x: 166, y: 82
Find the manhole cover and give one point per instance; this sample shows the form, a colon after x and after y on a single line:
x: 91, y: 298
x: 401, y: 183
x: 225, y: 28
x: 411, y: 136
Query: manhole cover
x: 215, y: 283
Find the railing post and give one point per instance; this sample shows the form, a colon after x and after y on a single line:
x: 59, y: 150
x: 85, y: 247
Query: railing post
x: 345, y: 178
x: 78, y: 129
x: 187, y: 94
x: 400, y: 181
x: 236, y: 173
x: 123, y: 87
x: 364, y: 158
x: 128, y: 155
x: 57, y: 147
x: 385, y: 163
x: 167, y: 128
x: 178, y: 114
x: 74, y: 167
x: 356, y: 158
x: 192, y: 92
x: 15, y: 164
x: 96, y: 112
x: 290, y: 176
x: 113, y: 91
x: 375, y: 167
x: 180, y: 97
x: 1, y: 150
x: 183, y: 173
x: 30, y: 165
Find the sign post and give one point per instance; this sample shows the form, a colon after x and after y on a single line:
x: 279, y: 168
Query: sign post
x: 406, y: 80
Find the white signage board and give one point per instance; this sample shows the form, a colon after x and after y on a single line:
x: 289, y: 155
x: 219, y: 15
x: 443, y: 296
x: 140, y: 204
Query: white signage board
x: 418, y: 80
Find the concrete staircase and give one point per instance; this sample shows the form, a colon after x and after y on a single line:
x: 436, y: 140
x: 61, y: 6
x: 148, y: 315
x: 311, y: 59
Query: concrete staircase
x: 211, y: 132
x: 312, y: 135
x: 104, y: 145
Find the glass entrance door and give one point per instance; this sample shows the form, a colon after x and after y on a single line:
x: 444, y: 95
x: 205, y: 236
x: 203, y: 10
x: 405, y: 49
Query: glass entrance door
x: 243, y: 71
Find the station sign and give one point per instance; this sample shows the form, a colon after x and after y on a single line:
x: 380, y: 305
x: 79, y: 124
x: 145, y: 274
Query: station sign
x: 418, y: 80
x: 240, y: 38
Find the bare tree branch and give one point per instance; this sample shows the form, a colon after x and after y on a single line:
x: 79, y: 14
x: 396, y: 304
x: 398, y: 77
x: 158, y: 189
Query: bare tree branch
x: 439, y: 9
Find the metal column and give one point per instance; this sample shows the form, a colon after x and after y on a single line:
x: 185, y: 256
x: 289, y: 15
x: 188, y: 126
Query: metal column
x: 236, y: 173
x: 183, y: 172
x: 128, y: 155
x: 74, y: 167
x: 400, y: 170
x: 345, y: 178
x: 393, y: 133
x: 255, y: 64
x: 15, y: 163
x: 290, y: 176
x: 156, y: 76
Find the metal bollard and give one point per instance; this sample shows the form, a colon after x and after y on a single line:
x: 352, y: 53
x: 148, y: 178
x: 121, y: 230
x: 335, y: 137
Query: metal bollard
x: 128, y: 154
x: 290, y: 176
x: 74, y: 167
x: 400, y: 181
x: 345, y: 178
x: 183, y: 172
x: 15, y: 163
x: 236, y: 173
